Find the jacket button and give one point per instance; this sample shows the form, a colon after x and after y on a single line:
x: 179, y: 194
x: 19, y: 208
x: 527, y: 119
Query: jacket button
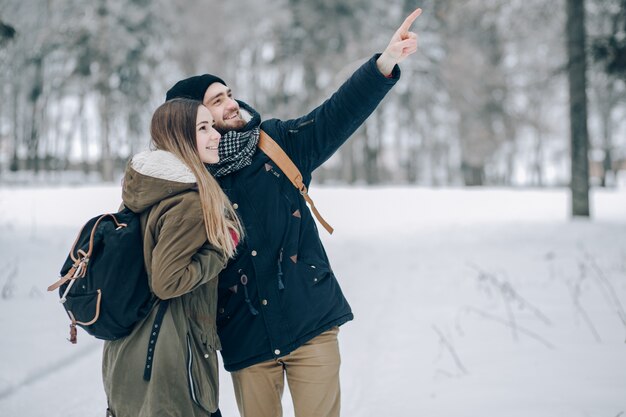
x: 264, y: 302
x: 277, y: 352
x: 206, y: 356
x: 253, y: 253
x: 235, y: 206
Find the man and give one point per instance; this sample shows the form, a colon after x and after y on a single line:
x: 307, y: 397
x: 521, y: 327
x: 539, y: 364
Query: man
x: 280, y: 304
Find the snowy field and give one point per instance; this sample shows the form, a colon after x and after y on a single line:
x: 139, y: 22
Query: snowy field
x: 468, y: 303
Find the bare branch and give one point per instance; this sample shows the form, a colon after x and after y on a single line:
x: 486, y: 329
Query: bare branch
x: 507, y: 323
x: 445, y: 342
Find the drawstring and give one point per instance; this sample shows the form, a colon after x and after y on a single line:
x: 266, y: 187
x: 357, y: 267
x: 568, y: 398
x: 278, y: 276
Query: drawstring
x: 281, y: 286
x: 244, y: 282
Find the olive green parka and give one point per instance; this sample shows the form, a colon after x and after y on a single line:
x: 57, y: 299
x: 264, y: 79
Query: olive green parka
x: 182, y: 267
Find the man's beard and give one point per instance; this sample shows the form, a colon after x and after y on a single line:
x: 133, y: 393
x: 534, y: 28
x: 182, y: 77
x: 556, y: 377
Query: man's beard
x: 235, y: 124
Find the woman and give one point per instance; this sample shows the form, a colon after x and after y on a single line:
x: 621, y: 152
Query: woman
x: 190, y: 231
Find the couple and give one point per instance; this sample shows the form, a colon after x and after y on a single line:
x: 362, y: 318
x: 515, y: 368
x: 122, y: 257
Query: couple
x: 212, y: 204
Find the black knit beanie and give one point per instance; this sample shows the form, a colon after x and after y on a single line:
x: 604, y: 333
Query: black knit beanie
x: 193, y: 87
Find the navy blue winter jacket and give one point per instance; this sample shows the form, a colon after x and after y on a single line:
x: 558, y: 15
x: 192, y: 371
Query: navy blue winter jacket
x: 280, y: 290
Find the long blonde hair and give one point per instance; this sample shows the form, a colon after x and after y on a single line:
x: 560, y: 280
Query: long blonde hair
x: 173, y: 129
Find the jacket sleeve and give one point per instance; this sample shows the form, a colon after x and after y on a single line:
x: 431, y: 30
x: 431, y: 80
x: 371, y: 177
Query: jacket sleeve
x: 182, y: 259
x: 312, y: 139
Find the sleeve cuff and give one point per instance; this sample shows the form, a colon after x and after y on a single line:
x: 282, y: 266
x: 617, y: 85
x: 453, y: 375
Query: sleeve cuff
x: 395, y: 73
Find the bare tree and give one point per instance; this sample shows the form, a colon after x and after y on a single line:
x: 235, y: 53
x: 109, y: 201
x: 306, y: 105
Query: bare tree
x: 476, y: 82
x: 607, y: 26
x: 575, y: 30
x: 610, y: 48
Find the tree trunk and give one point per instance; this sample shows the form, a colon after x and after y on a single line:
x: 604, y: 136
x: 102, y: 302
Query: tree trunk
x: 348, y: 169
x: 371, y: 150
x: 537, y: 166
x: 607, y: 168
x: 473, y: 176
x: 106, y: 161
x: 578, y: 107
x: 83, y: 134
x: 35, y: 100
x: 15, y: 163
x: 606, y: 127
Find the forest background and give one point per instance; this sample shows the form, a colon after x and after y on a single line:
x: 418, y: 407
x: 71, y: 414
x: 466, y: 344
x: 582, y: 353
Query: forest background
x: 484, y: 102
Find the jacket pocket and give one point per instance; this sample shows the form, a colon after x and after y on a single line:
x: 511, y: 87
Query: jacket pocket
x: 314, y: 273
x: 84, y: 308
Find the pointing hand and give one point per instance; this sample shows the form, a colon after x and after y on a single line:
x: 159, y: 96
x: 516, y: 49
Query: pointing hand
x: 402, y: 44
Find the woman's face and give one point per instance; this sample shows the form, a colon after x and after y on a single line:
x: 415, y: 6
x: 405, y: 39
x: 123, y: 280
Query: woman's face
x: 207, y: 138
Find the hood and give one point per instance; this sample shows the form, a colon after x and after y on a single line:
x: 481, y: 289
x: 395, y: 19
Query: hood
x: 152, y: 176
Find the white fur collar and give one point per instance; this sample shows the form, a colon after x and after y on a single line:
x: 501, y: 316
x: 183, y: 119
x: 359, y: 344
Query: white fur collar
x: 163, y: 165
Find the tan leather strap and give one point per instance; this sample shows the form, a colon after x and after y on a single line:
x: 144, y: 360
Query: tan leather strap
x: 87, y: 255
x: 278, y: 155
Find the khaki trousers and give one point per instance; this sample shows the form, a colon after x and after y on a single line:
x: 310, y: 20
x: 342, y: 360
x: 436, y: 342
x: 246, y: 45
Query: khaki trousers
x: 312, y: 373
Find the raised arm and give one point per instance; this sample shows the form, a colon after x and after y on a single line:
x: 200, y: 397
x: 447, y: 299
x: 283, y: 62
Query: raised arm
x: 311, y: 139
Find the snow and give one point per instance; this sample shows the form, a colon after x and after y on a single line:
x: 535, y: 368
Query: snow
x: 481, y: 302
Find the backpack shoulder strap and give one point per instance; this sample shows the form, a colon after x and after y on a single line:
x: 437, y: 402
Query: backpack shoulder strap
x: 278, y: 155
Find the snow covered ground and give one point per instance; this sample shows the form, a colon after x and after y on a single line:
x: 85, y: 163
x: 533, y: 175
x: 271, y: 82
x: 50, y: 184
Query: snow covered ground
x: 483, y: 302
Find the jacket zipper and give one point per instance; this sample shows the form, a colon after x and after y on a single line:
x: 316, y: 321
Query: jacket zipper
x: 192, y: 389
x: 301, y: 125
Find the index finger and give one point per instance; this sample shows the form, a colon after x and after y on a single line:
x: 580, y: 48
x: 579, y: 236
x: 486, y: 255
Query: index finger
x: 404, y: 29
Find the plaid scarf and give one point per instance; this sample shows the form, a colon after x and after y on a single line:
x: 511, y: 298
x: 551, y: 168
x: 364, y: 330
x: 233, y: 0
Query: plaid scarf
x: 237, y: 147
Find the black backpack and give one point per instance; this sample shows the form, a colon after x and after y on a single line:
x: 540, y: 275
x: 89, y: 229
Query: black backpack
x: 103, y: 285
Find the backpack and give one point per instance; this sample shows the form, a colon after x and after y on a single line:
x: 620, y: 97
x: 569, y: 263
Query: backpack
x: 104, y: 286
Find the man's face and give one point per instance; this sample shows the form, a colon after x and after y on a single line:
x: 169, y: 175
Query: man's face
x: 225, y: 110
